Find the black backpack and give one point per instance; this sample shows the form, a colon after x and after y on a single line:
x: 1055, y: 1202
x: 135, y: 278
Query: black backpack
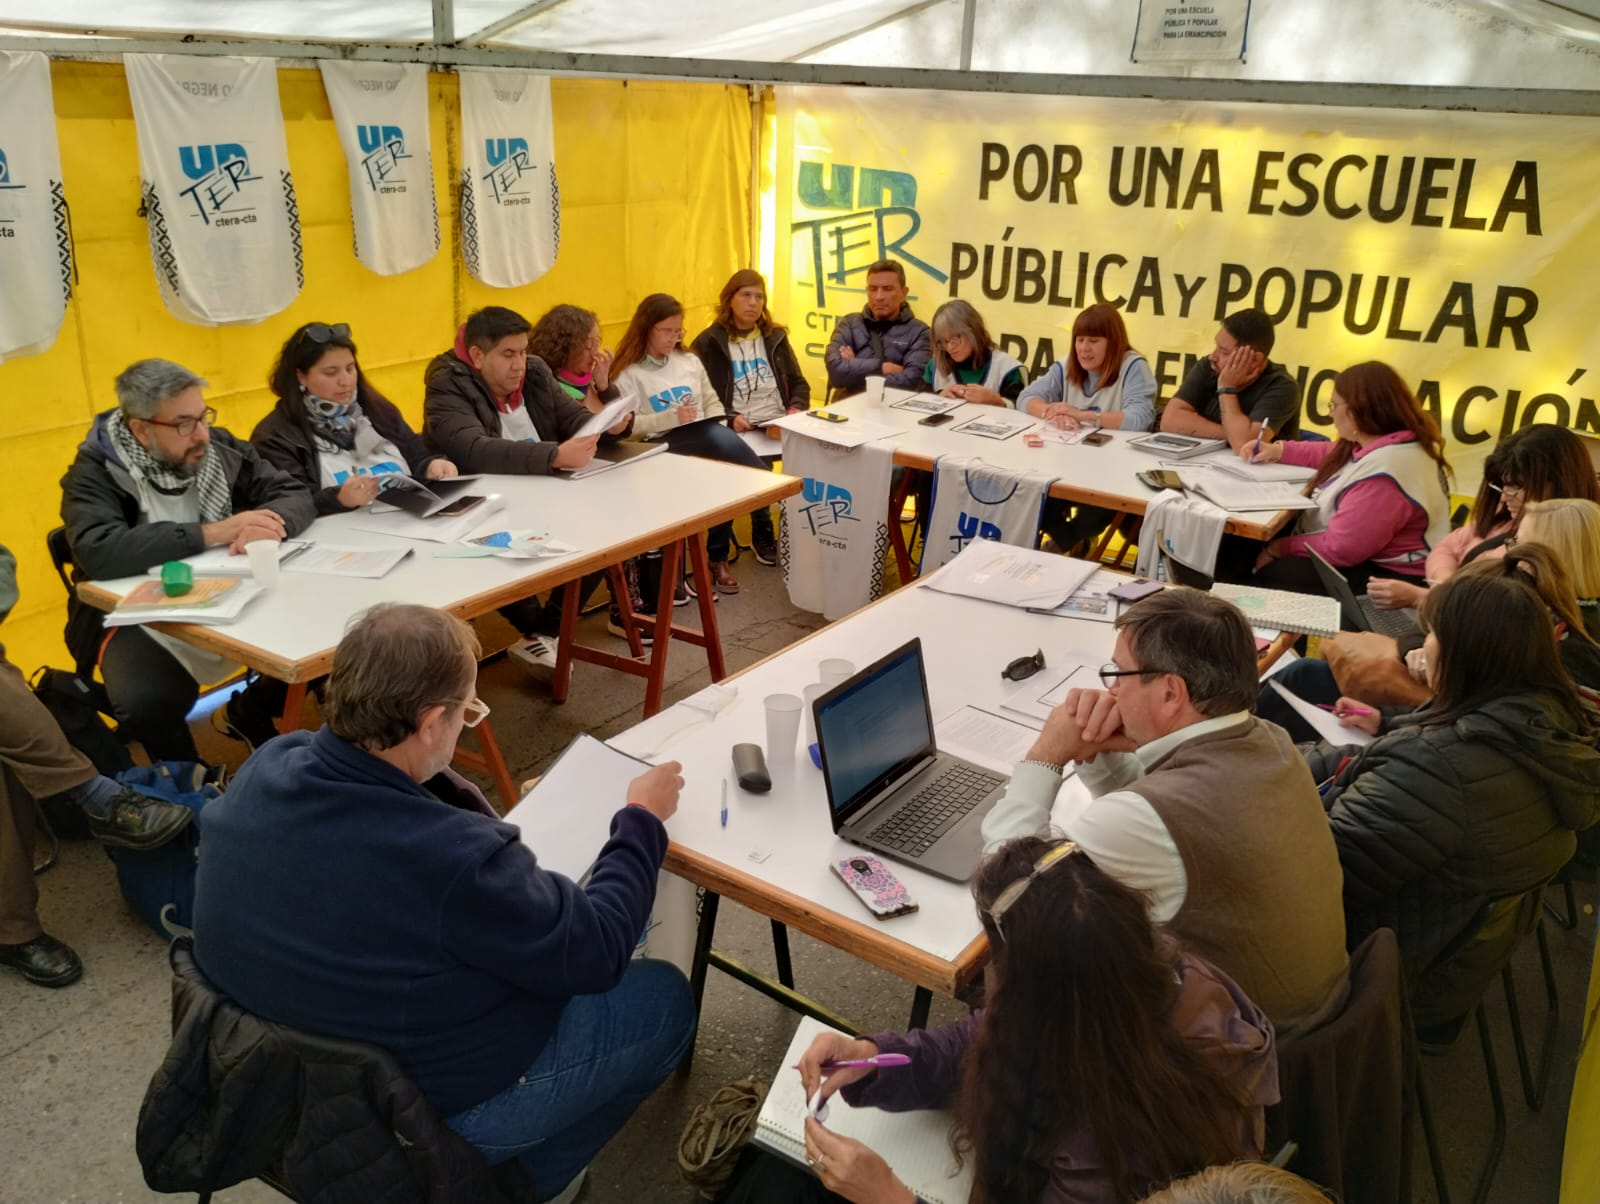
x: 77, y: 705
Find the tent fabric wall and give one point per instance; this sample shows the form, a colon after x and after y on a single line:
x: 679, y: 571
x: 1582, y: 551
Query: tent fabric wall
x: 655, y: 193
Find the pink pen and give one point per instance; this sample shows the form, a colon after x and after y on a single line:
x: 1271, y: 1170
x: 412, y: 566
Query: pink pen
x: 875, y: 1060
x: 1352, y: 710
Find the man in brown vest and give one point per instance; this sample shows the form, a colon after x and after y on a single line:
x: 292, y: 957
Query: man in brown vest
x: 1193, y: 800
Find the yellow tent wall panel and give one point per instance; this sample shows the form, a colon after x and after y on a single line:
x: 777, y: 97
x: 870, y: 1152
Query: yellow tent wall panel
x: 655, y: 198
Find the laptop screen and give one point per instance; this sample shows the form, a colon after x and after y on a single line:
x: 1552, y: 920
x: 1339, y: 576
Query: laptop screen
x: 874, y: 727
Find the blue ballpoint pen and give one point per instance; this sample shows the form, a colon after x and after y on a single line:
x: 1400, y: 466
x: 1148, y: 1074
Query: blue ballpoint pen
x: 724, y: 802
x: 1265, y: 429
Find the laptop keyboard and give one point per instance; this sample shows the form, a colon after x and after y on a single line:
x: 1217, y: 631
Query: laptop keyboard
x: 1388, y: 622
x: 935, y: 809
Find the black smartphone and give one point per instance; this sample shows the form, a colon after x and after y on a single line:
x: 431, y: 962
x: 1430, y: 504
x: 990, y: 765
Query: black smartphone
x: 1097, y: 438
x: 458, y: 507
x: 936, y: 419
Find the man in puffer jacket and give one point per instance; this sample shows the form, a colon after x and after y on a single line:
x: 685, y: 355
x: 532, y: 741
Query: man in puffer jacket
x: 1472, y: 799
x: 885, y: 339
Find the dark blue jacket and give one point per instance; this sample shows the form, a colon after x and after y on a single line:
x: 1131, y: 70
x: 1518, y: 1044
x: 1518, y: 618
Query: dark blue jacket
x: 903, y: 339
x: 338, y: 896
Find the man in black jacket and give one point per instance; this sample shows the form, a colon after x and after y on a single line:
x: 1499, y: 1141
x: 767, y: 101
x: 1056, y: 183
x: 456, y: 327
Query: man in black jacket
x: 155, y: 481
x: 491, y: 407
x: 885, y: 339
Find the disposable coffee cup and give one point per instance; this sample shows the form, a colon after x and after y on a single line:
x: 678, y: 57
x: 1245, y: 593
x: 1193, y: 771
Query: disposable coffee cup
x: 834, y: 670
x: 263, y: 557
x: 810, y: 695
x: 874, y: 390
x: 783, y: 727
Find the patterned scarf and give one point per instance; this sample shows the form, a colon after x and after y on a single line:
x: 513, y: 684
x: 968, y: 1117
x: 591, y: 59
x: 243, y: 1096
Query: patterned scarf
x: 216, y: 499
x: 331, y: 421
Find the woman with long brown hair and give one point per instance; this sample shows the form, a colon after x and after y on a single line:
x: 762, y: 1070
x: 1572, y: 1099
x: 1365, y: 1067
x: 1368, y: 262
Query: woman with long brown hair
x: 1105, y: 1063
x: 1474, y: 797
x: 1382, y: 488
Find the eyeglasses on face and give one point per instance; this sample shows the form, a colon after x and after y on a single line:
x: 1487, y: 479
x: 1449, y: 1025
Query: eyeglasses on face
x: 185, y: 426
x: 321, y: 332
x: 473, y: 710
x: 1110, y: 673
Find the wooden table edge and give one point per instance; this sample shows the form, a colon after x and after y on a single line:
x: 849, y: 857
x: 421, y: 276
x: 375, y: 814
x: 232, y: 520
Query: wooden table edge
x: 214, y: 639
x: 852, y: 936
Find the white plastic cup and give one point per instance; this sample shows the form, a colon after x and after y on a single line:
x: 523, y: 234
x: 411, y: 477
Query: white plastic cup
x: 263, y: 557
x: 783, y: 727
x: 874, y: 390
x: 810, y: 695
x: 834, y: 670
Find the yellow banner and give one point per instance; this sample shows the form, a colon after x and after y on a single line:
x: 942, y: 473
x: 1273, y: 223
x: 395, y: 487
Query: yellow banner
x: 1459, y: 247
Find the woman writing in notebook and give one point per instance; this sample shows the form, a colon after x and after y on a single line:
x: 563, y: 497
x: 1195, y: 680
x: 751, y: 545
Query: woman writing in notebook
x: 1382, y: 491
x: 1472, y: 798
x: 1105, y: 1063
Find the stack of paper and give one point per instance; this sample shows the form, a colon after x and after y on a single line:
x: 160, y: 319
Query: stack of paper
x: 438, y: 529
x: 1234, y: 492
x: 928, y: 403
x: 328, y: 561
x: 998, y: 572
x: 211, y: 602
x: 916, y: 1145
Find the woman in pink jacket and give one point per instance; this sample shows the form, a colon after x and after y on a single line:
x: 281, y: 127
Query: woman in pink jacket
x: 1382, y: 489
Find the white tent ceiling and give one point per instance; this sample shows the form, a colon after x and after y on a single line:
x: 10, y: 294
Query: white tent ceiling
x: 1470, y: 48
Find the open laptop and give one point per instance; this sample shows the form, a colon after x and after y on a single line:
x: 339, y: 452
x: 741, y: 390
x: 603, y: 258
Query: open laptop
x: 1361, y: 614
x: 889, y: 788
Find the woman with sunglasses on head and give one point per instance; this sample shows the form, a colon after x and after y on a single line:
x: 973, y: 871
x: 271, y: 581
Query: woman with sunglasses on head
x: 1105, y: 1062
x: 966, y: 362
x: 1474, y: 797
x: 1382, y: 489
x: 331, y: 429
x: 1530, y: 465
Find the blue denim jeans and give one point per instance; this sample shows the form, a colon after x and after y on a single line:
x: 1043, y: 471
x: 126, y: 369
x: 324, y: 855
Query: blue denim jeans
x: 716, y: 441
x: 607, y: 1054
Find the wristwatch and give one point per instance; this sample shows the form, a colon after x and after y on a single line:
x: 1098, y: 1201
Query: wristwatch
x: 1050, y: 765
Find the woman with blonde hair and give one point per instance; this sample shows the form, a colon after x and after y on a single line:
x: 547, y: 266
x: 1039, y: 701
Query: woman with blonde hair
x: 1240, y: 1183
x: 1569, y: 527
x: 966, y: 363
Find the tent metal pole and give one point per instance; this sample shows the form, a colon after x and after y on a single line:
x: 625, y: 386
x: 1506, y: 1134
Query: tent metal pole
x: 444, y: 22
x: 757, y: 94
x: 969, y: 26
x: 899, y: 14
x: 521, y: 17
x: 1551, y: 101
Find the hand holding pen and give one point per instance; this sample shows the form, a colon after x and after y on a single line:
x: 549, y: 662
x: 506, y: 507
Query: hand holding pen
x: 1354, y: 714
x: 1263, y: 450
x: 833, y: 1061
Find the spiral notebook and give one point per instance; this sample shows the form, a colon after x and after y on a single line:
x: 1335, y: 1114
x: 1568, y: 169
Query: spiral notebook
x: 916, y: 1145
x: 1307, y: 614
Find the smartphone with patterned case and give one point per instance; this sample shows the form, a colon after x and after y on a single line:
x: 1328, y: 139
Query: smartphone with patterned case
x: 883, y: 893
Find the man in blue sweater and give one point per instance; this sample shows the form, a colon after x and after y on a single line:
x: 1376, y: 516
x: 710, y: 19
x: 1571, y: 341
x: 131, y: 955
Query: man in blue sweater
x: 353, y: 885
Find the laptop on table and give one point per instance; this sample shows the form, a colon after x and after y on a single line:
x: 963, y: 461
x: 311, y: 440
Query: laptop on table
x: 1361, y: 614
x: 889, y: 789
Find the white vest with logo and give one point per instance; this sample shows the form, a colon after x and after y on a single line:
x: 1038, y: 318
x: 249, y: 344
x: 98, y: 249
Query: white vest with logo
x: 218, y: 195
x: 35, y: 251
x: 834, y: 538
x: 973, y: 500
x: 372, y: 456
x: 999, y: 366
x: 1409, y: 467
x: 1108, y: 397
x: 510, y: 199
x: 381, y: 113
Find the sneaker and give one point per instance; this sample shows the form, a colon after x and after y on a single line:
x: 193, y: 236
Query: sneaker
x: 537, y: 655
x: 137, y: 822
x: 726, y: 582
x: 685, y: 591
x: 765, y: 547
x: 645, y: 625
x: 43, y: 961
x: 224, y: 724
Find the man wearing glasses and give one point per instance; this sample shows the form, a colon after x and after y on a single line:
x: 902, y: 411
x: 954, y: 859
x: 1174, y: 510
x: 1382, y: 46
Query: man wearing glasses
x: 155, y: 481
x: 1208, y: 810
x: 352, y: 885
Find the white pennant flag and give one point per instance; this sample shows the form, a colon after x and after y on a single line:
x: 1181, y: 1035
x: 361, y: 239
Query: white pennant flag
x: 35, y: 250
x: 510, y: 200
x: 381, y: 113
x: 219, y: 199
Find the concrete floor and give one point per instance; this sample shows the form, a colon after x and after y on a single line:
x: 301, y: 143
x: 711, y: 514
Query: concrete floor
x: 74, y: 1063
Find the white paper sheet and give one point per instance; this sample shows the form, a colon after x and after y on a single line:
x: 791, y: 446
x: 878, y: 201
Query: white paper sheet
x: 1091, y: 600
x: 996, y: 423
x: 437, y: 529
x: 345, y: 562
x: 613, y: 413
x: 1327, y: 724
x: 852, y: 432
x: 928, y: 403
x: 761, y: 443
x: 566, y: 817
x: 1035, y: 697
x: 983, y: 738
x: 1012, y: 576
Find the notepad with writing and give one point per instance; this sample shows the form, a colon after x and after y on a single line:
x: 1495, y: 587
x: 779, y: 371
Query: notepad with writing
x: 916, y: 1145
x: 1307, y: 614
